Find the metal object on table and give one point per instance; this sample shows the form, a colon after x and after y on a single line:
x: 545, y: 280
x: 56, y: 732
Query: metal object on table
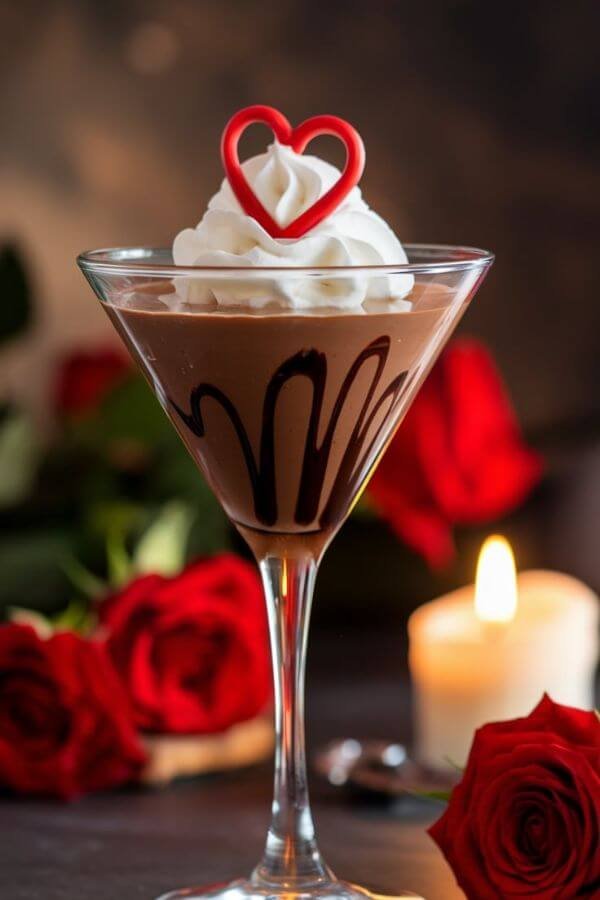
x: 380, y: 769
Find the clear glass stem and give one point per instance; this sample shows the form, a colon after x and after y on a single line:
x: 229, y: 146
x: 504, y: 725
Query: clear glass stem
x: 291, y: 860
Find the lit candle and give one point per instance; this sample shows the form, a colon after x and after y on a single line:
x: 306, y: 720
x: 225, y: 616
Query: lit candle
x: 489, y: 652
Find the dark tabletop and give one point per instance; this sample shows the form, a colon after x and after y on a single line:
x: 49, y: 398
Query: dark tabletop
x: 137, y: 844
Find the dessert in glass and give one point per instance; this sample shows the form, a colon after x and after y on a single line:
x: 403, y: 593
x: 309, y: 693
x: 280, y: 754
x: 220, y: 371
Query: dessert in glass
x: 285, y: 338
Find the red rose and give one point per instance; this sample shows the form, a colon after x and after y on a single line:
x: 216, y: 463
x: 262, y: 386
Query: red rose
x: 458, y: 457
x: 525, y: 820
x: 85, y: 378
x: 192, y: 650
x: 65, y: 724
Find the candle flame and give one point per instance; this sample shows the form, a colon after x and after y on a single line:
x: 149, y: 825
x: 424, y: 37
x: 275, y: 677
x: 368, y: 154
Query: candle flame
x: 496, y: 582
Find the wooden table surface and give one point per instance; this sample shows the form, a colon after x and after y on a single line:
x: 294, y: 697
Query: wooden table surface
x: 137, y: 844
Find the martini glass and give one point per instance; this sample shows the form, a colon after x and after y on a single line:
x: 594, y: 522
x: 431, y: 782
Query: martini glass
x: 286, y: 413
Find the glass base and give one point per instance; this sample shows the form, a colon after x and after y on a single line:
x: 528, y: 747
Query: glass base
x: 247, y: 890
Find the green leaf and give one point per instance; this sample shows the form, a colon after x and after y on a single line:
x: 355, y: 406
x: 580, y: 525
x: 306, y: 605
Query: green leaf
x: 121, y: 516
x: 19, y: 457
x: 115, y: 521
x: 82, y: 579
x: 120, y: 566
x: 162, y: 548
x: 77, y: 616
x: 15, y: 294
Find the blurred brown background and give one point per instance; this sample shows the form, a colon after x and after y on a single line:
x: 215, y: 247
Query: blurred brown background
x: 482, y: 127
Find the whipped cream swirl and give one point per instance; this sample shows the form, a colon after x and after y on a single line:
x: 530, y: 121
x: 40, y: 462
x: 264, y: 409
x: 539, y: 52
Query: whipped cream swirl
x: 288, y: 183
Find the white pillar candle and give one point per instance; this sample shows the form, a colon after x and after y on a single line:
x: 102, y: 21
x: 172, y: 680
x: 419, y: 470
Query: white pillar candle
x: 477, y: 659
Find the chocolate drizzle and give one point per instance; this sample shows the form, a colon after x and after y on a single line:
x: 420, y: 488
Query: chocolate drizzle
x: 311, y: 364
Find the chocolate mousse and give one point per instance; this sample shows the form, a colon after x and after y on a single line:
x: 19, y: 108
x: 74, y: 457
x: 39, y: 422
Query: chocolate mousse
x: 285, y: 414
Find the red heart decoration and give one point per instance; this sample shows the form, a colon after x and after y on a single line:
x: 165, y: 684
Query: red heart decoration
x: 296, y: 138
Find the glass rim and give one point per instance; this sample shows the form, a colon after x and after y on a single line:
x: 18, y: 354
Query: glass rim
x: 135, y: 261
